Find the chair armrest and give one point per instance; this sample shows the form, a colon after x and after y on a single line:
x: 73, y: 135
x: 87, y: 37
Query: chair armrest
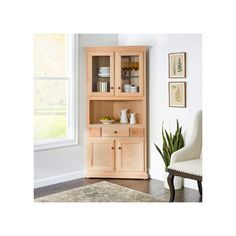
x: 185, y: 154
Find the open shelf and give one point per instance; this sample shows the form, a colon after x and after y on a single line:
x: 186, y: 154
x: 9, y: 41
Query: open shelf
x: 99, y: 108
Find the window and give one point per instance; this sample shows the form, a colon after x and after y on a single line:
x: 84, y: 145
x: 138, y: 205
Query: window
x: 54, y: 90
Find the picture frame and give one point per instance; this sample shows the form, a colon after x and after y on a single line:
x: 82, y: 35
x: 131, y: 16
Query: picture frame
x: 177, y: 65
x: 177, y: 94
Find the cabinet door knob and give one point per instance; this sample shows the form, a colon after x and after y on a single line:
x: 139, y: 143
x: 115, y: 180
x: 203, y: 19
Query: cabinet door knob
x: 115, y: 132
x: 112, y: 147
x: 119, y: 147
x: 112, y: 87
x: 118, y: 87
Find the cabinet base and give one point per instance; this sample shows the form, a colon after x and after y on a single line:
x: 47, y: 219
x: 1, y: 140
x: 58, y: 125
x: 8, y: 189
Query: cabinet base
x: 117, y: 175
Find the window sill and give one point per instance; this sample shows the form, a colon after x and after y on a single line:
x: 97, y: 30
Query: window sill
x: 54, y: 144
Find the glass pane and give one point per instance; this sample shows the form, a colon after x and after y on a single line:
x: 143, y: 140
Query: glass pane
x: 101, y: 74
x: 50, y: 55
x: 130, y: 74
x: 50, y: 109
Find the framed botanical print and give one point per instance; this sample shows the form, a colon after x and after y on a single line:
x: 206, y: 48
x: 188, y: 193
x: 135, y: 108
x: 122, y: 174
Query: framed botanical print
x: 177, y: 65
x: 177, y: 94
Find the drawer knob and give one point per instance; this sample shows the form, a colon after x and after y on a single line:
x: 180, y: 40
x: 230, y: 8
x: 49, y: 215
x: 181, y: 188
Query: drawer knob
x: 119, y: 147
x: 112, y: 147
x: 115, y: 132
x: 118, y: 87
x: 112, y: 87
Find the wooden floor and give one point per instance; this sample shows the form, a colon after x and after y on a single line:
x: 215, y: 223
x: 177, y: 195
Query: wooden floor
x: 151, y: 186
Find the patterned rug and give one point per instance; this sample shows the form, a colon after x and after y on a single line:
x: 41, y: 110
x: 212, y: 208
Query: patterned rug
x: 100, y: 192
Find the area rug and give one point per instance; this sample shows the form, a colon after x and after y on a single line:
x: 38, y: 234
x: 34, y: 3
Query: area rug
x: 100, y: 192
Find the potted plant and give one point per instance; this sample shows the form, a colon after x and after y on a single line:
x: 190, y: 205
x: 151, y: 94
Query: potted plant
x: 171, y: 143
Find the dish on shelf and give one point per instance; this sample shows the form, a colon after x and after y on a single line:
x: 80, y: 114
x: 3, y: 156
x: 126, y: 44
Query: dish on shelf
x: 107, y: 122
x: 103, y: 75
x: 104, y: 70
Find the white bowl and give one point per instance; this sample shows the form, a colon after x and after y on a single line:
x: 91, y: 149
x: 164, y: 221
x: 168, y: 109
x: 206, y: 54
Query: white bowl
x: 133, y: 89
x: 127, y: 88
x: 107, y: 122
x: 104, y: 70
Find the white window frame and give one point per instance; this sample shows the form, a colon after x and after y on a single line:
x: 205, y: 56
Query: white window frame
x: 72, y: 108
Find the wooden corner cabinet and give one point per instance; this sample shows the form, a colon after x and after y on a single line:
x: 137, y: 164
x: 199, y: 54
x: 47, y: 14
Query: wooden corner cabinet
x: 116, y: 80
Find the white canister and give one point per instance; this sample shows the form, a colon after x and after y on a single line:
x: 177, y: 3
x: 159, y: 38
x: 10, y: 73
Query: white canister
x: 127, y: 88
x: 134, y: 89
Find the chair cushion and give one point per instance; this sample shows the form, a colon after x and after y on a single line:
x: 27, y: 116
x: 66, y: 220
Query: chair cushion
x: 193, y: 167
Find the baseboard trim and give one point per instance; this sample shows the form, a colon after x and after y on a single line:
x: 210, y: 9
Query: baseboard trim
x: 154, y: 175
x: 58, y: 179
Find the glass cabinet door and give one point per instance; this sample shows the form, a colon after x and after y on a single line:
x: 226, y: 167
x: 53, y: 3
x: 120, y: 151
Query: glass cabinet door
x: 129, y: 74
x: 101, y: 74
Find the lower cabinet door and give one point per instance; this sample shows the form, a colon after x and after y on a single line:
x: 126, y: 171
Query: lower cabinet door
x: 101, y: 155
x: 130, y: 155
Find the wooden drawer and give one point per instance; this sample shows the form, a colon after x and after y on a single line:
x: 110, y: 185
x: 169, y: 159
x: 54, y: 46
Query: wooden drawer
x: 94, y: 132
x: 137, y: 132
x: 113, y: 131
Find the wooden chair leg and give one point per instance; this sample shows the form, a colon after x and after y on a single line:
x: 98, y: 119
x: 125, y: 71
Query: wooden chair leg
x: 199, y: 184
x: 170, y: 180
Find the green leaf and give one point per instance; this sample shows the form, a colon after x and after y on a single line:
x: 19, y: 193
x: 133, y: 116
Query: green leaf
x: 176, y: 132
x: 169, y: 141
x: 158, y: 149
x: 177, y: 125
x: 168, y: 156
x: 179, y: 137
x: 180, y: 144
x: 162, y: 155
x: 175, y: 138
x: 163, y: 138
x: 176, y: 142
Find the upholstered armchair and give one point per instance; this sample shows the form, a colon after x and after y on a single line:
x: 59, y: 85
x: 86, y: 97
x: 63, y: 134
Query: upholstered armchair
x: 187, y: 161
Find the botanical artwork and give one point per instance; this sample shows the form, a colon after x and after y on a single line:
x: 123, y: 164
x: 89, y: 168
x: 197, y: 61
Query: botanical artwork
x: 177, y: 65
x: 177, y: 94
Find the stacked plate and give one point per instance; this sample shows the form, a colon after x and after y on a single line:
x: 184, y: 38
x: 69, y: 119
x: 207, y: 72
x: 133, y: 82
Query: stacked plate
x: 104, y: 71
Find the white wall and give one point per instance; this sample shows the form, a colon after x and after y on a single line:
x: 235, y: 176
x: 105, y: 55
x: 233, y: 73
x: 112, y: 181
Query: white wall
x: 64, y: 164
x: 160, y: 45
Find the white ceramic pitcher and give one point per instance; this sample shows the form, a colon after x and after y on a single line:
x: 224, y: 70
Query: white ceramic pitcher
x: 123, y: 116
x: 132, y: 118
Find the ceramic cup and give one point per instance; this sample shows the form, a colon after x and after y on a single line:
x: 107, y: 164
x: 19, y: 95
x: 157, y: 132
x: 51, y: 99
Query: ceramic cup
x: 134, y: 89
x: 127, y: 88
